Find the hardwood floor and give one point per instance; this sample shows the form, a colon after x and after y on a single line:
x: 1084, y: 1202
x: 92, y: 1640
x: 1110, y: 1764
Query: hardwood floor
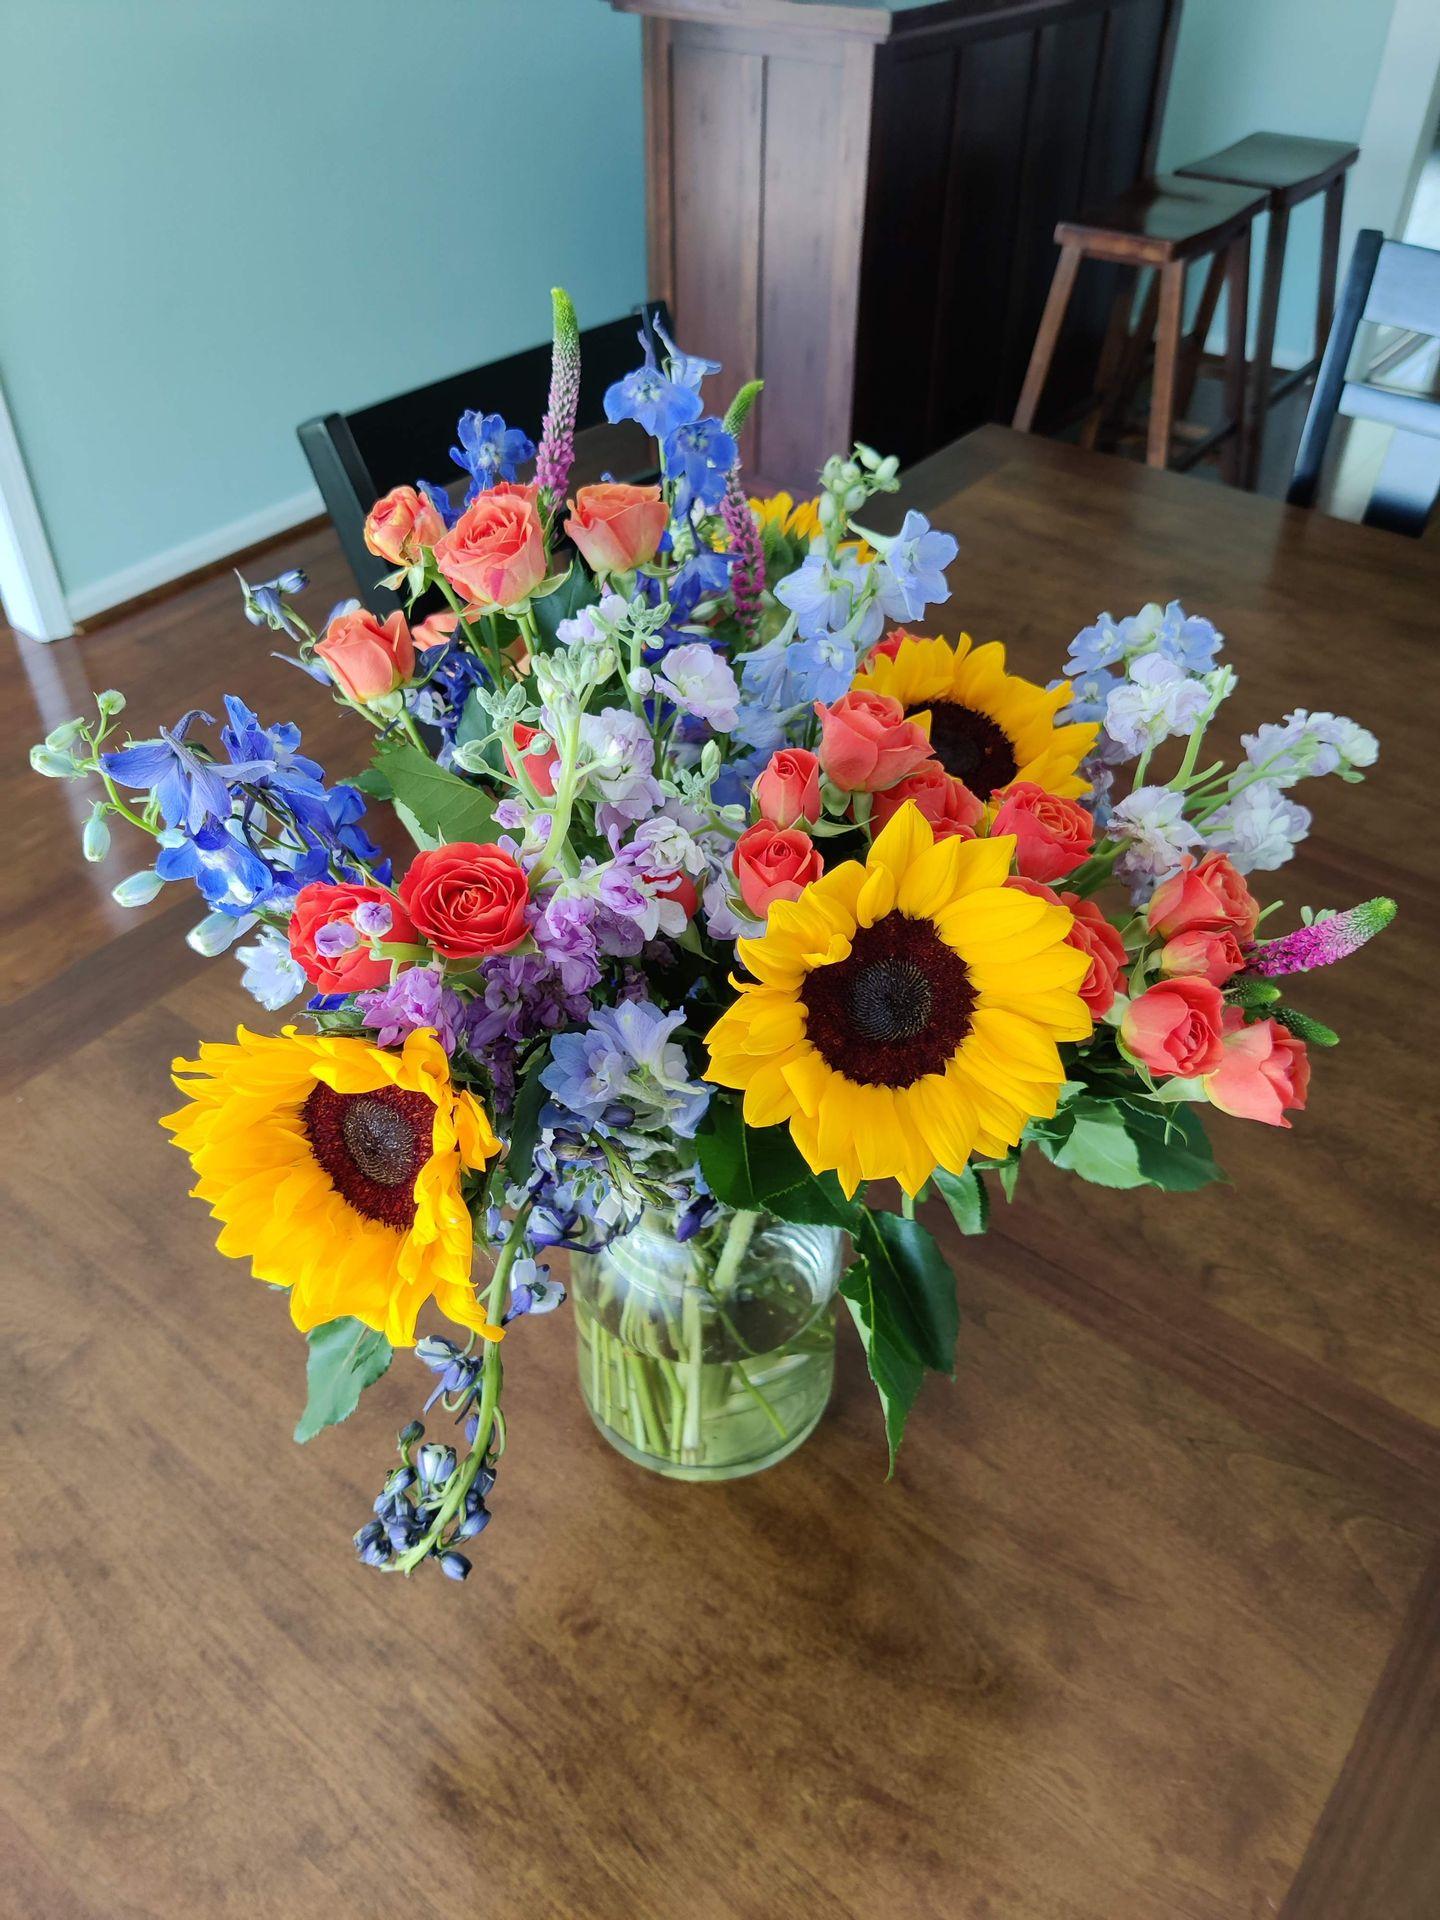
x: 1147, y: 1625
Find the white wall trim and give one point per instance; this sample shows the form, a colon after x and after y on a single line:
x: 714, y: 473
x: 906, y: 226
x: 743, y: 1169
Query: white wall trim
x: 1400, y: 126
x: 206, y: 548
x: 29, y: 584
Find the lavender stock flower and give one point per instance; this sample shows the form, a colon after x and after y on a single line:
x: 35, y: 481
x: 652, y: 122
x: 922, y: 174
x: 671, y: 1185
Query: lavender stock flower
x: 417, y: 997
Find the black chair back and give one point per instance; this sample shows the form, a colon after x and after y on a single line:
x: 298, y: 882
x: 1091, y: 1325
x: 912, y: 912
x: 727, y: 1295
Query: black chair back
x: 1392, y: 284
x: 358, y: 457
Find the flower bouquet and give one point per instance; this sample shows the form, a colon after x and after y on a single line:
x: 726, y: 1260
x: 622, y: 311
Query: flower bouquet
x: 733, y: 926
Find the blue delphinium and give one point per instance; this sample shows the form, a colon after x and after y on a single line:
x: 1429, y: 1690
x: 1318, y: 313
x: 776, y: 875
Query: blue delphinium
x: 189, y: 789
x: 698, y: 458
x: 833, y: 597
x: 625, y: 1074
x: 821, y: 668
x: 489, y: 450
x: 440, y: 500
x: 651, y: 396
x: 911, y: 576
x: 263, y: 600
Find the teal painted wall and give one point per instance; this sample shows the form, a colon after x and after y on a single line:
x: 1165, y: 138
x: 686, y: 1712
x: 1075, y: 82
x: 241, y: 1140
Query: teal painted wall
x: 1275, y: 66
x: 220, y: 216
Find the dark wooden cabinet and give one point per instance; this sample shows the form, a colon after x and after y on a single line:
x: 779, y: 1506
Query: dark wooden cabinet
x: 857, y: 202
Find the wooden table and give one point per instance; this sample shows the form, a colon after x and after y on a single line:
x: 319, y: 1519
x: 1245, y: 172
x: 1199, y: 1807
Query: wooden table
x: 1145, y: 1628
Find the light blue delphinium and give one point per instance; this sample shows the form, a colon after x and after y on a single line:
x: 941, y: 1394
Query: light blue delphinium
x: 624, y: 1073
x: 821, y: 668
x: 271, y: 975
x: 911, y: 576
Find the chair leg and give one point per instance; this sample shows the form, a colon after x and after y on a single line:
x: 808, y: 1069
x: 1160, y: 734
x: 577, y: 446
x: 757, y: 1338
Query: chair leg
x: 1132, y: 360
x: 1167, y: 361
x: 1117, y: 335
x: 1199, y: 333
x: 1237, y: 319
x: 1274, y: 271
x: 1329, y: 261
x: 1051, y: 321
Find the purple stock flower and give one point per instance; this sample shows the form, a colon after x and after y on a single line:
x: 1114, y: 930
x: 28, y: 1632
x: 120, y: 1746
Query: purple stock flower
x: 701, y: 683
x: 565, y: 934
x: 416, y: 997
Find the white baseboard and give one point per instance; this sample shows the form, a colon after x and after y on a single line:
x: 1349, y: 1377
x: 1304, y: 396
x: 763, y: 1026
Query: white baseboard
x: 160, y: 568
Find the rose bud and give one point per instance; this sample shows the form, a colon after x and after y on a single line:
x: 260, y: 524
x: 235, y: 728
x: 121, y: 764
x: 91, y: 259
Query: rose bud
x: 365, y: 659
x: 1207, y: 893
x: 789, y: 788
x: 1175, y: 1027
x: 774, y: 863
x: 617, y: 527
x: 467, y: 900
x: 1052, y: 836
x: 494, y: 555
x: 867, y: 744
x: 1263, y: 1071
x: 397, y: 527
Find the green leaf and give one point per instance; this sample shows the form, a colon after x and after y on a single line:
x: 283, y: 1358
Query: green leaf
x: 966, y: 1196
x: 576, y: 590
x: 530, y: 1097
x: 1009, y: 1174
x: 371, y: 782
x: 1174, y: 1149
x: 441, y: 804
x: 892, y: 1361
x: 909, y: 1270
x: 345, y: 1358
x: 816, y: 1201
x: 1100, y: 1148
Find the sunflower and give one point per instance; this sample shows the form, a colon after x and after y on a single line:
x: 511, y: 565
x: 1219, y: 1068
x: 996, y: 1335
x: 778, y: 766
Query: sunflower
x: 787, y: 526
x: 987, y: 726
x: 904, y: 1013
x: 335, y: 1167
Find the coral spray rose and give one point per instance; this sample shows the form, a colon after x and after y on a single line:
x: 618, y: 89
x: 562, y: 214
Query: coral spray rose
x: 1264, y: 1070
x: 1052, y: 836
x: 365, y: 658
x: 946, y: 802
x: 1204, y: 893
x: 774, y: 863
x: 330, y: 930
x: 1175, y: 1027
x: 495, y: 553
x: 891, y: 644
x: 617, y: 527
x: 397, y: 527
x: 1091, y: 934
x: 1210, y: 953
x: 789, y: 788
x: 867, y: 744
x: 467, y: 900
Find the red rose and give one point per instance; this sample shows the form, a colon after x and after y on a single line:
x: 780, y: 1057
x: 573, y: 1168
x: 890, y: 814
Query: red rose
x: 617, y: 527
x: 364, y: 658
x: 774, y: 863
x: 789, y: 788
x: 946, y: 802
x: 1207, y: 893
x: 494, y: 555
x: 1210, y: 953
x: 866, y: 743
x: 1175, y: 1027
x: 1091, y: 934
x: 340, y: 962
x: 1263, y: 1071
x: 1052, y: 836
x: 541, y: 766
x: 467, y: 900
x: 891, y: 644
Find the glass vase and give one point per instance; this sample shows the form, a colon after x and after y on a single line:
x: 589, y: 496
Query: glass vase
x: 712, y: 1357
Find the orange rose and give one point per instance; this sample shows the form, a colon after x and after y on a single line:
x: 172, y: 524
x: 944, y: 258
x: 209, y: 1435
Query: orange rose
x: 364, y: 658
x: 617, y: 527
x: 946, y: 802
x: 495, y: 553
x: 774, y: 863
x: 1052, y: 836
x: 789, y: 788
x: 398, y: 526
x: 1207, y: 893
x: 867, y: 744
x: 1091, y: 934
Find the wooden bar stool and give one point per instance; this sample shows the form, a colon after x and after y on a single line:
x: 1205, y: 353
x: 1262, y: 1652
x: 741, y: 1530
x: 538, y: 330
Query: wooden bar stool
x: 1290, y: 168
x: 1163, y: 223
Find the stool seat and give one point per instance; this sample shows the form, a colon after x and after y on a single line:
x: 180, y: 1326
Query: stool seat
x: 1163, y: 219
x: 1290, y: 166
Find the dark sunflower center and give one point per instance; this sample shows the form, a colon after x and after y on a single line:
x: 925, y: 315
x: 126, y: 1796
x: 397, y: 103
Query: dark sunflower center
x: 372, y: 1145
x: 895, y: 1009
x: 972, y: 746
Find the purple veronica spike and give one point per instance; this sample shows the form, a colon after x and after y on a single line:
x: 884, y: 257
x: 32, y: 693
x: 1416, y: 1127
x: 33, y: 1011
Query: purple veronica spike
x: 1325, y: 942
x: 557, y: 435
x: 747, y: 574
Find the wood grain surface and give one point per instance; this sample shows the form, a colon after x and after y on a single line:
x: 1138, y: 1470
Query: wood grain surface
x: 1147, y: 1625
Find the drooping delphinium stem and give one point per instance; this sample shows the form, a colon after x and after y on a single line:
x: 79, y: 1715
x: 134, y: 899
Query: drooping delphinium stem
x: 556, y: 454
x: 747, y: 571
x: 1325, y: 942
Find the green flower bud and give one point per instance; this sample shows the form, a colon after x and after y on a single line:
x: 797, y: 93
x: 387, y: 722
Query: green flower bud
x: 62, y: 736
x: 95, y: 841
x: 111, y: 702
x: 215, y: 933
x: 137, y: 889
x: 54, y: 765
